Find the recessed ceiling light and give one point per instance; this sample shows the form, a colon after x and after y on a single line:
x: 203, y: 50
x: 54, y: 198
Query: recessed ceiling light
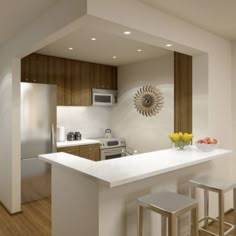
x: 114, y: 57
x: 93, y: 39
x: 70, y: 48
x: 139, y: 50
x: 127, y: 32
x: 169, y: 45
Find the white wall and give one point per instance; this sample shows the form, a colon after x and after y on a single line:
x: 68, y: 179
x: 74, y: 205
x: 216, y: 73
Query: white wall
x: 142, y: 133
x: 200, y: 96
x: 90, y: 121
x: 233, y: 103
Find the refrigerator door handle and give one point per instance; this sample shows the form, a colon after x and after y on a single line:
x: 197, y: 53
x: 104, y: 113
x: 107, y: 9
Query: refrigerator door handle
x: 53, y: 139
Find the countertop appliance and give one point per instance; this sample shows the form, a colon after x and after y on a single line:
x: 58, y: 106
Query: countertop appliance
x: 104, y: 97
x: 38, y: 136
x: 112, y: 148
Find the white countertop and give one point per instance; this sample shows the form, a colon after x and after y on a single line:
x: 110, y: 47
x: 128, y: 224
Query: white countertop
x: 76, y: 143
x: 128, y: 169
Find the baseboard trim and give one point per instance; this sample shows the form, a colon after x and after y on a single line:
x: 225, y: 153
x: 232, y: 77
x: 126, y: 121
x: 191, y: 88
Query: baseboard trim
x: 8, y: 211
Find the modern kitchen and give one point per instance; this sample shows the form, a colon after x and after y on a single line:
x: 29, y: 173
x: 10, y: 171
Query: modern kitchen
x: 96, y: 111
x: 117, y: 118
x: 78, y: 100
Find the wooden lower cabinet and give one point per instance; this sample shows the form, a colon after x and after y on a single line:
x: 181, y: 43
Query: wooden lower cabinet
x: 91, y: 151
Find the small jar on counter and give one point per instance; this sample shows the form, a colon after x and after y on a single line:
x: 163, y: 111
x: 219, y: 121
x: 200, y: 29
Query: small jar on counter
x: 78, y: 136
x: 70, y: 136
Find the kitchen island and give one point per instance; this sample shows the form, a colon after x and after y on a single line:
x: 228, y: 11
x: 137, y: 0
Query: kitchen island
x: 99, y: 198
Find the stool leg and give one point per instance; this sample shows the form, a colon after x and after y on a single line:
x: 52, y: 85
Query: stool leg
x: 140, y: 220
x: 221, y: 213
x: 192, y: 190
x: 163, y: 226
x: 172, y: 225
x: 206, y: 207
x: 194, y: 223
x: 234, y: 199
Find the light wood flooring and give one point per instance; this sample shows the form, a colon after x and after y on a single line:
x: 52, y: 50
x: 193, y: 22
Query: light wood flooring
x: 36, y: 221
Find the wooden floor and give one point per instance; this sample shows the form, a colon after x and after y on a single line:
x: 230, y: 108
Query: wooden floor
x: 214, y: 227
x: 34, y: 221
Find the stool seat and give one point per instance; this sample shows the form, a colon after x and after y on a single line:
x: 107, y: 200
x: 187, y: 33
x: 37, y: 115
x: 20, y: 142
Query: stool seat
x: 167, y: 201
x: 213, y: 184
x: 170, y: 206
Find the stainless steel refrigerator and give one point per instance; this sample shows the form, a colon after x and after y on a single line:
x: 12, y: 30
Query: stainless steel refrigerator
x: 38, y: 125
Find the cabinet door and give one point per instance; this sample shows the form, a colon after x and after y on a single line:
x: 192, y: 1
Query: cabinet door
x: 33, y: 68
x: 114, y: 76
x: 41, y: 68
x: 25, y: 69
x: 104, y: 77
x: 59, y: 77
x: 76, y: 84
x: 91, y: 152
x: 74, y: 150
x: 51, y: 77
x: 67, y: 79
x: 85, y: 91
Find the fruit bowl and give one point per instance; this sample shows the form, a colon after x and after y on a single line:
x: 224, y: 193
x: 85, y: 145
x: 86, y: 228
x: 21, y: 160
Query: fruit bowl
x: 181, y: 140
x: 207, y: 144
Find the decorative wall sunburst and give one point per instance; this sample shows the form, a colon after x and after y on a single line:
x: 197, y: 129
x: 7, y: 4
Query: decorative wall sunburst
x: 148, y: 100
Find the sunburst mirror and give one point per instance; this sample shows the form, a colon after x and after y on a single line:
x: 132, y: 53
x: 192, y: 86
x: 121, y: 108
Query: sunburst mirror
x: 148, y: 100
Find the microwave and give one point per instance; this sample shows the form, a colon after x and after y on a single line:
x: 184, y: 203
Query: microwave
x: 104, y: 97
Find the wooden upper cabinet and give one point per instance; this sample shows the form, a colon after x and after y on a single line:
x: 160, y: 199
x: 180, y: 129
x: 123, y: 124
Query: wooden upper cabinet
x: 25, y: 69
x: 76, y: 84
x: 86, y: 86
x: 74, y: 79
x: 68, y: 81
x: 104, y: 77
x: 60, y: 80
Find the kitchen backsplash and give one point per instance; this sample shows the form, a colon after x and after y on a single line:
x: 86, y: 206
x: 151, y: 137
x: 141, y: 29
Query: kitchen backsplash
x: 90, y: 121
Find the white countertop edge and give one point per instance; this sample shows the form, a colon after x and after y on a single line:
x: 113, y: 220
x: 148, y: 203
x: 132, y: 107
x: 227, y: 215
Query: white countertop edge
x: 92, y: 177
x: 159, y: 172
x: 77, y: 143
x: 127, y: 180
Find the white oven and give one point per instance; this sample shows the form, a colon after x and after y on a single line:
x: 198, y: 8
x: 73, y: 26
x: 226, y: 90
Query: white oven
x: 104, y: 97
x: 111, y: 153
x: 112, y: 148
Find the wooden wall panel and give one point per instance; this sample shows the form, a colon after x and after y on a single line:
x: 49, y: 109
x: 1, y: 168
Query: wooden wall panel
x: 182, y: 92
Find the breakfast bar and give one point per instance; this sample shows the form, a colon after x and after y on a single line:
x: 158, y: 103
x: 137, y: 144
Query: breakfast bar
x: 100, y: 198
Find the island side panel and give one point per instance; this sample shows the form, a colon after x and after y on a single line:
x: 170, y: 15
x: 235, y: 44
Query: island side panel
x: 74, y: 203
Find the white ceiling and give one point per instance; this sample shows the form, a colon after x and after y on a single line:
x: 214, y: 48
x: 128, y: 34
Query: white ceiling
x: 15, y: 14
x: 103, y: 49
x: 217, y: 16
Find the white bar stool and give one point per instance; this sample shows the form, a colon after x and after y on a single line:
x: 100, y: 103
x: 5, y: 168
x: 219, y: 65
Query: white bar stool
x: 219, y: 186
x: 169, y: 205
